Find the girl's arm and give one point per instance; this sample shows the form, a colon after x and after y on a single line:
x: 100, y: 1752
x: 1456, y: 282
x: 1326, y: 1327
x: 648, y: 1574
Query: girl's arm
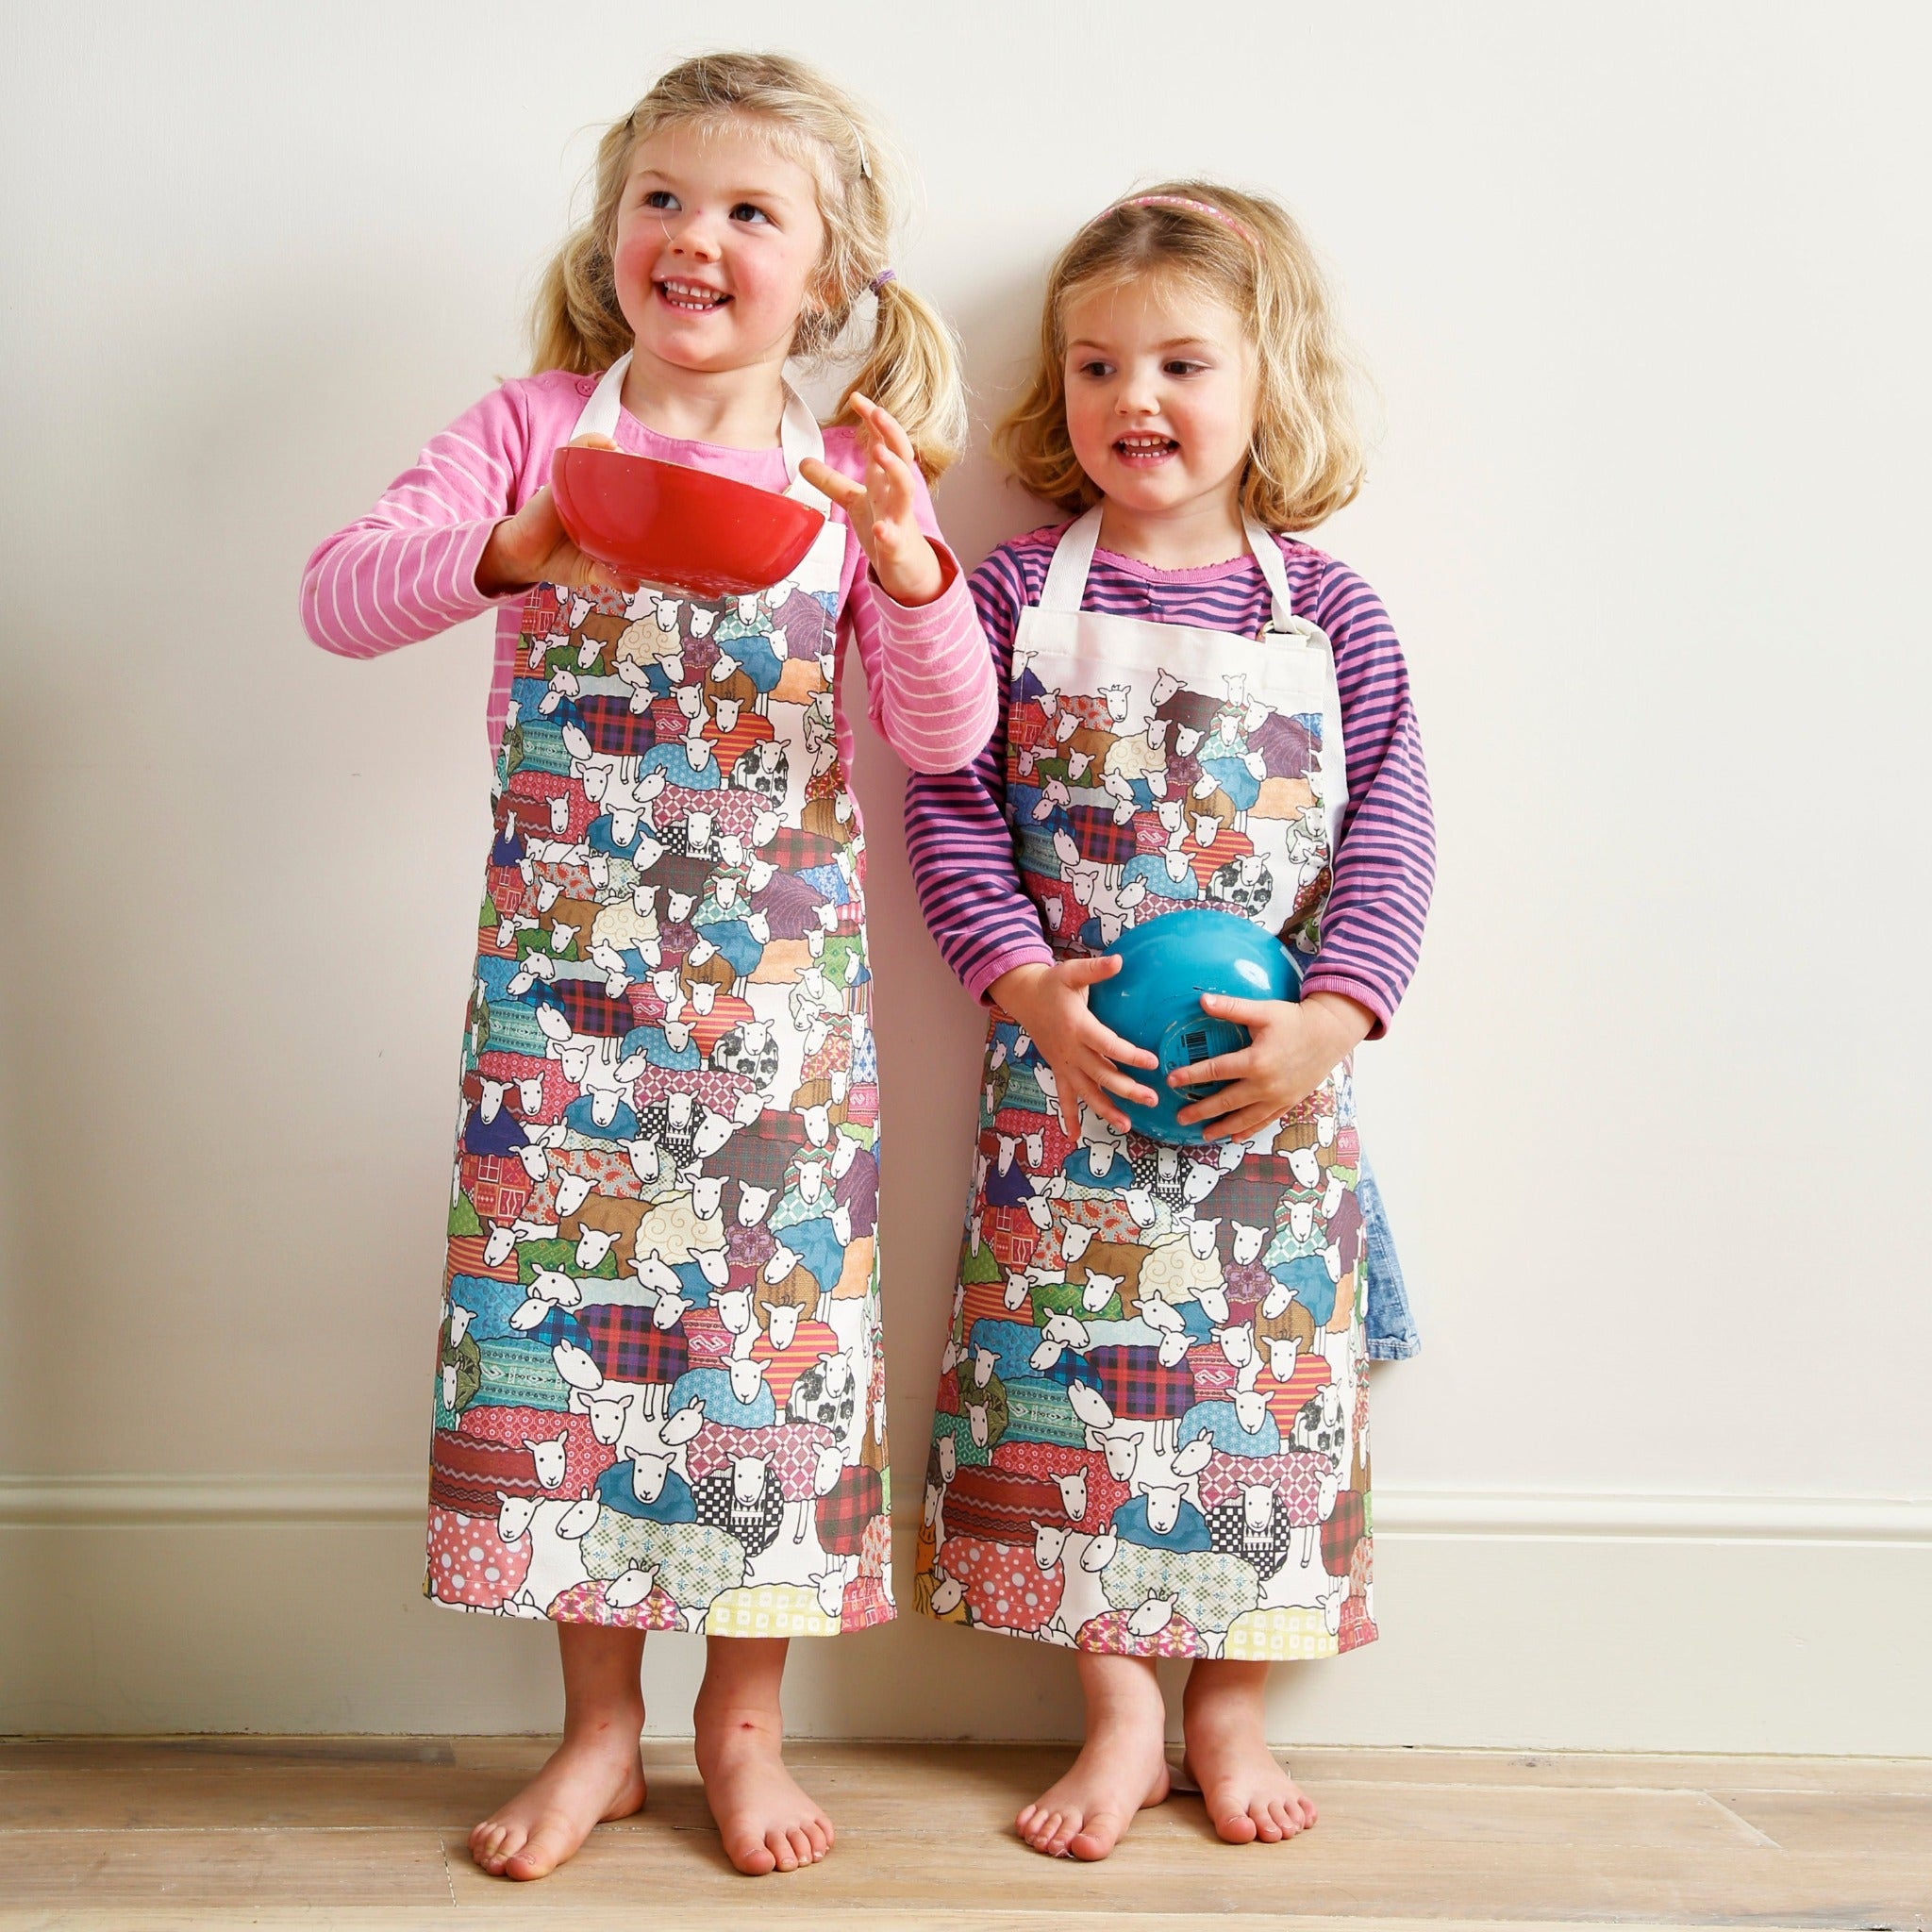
x: 1385, y: 865
x: 408, y: 569
x: 956, y: 834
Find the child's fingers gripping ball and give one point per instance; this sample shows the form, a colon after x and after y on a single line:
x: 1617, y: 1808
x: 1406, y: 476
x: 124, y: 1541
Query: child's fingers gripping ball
x: 1292, y: 1047
x: 1100, y: 1052
x: 1085, y: 1054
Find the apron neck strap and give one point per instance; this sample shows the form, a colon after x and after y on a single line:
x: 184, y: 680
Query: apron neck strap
x: 1073, y: 558
x: 1268, y: 555
x: 799, y: 435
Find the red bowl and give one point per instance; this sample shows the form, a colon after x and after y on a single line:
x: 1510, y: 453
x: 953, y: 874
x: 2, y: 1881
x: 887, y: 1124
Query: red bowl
x: 683, y: 528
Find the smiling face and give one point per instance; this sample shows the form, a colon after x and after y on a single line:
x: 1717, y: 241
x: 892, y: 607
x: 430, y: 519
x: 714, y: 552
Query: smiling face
x: 1161, y: 388
x: 718, y: 241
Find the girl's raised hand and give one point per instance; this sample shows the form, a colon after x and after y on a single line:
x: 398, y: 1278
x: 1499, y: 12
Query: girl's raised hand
x: 531, y: 548
x: 1293, y: 1047
x: 884, y: 508
x: 1050, y: 1003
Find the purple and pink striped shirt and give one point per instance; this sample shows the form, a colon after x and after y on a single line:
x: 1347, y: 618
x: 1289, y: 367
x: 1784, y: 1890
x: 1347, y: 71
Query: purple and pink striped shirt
x: 961, y: 849
x: 408, y: 569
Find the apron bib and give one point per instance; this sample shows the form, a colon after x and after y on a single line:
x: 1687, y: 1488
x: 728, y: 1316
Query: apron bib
x: 660, y: 1396
x: 1151, y: 1429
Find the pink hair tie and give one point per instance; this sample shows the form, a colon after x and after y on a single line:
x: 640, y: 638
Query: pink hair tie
x: 1199, y: 207
x: 879, y: 280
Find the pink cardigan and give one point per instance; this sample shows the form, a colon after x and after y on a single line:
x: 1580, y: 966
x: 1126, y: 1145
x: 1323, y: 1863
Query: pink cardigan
x: 408, y: 569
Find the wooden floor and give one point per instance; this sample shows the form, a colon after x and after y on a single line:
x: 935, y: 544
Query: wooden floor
x: 370, y: 1832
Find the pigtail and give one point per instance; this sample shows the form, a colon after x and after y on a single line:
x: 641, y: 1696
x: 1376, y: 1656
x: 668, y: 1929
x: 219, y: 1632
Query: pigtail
x: 575, y: 321
x: 911, y: 371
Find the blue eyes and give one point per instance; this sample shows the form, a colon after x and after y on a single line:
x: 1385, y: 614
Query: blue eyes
x: 746, y: 211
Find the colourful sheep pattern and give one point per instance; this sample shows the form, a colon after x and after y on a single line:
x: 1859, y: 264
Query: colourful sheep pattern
x: 659, y: 1391
x: 1151, y: 1429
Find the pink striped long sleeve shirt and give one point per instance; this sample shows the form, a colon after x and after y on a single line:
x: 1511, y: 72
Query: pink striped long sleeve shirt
x: 961, y: 847
x: 408, y: 569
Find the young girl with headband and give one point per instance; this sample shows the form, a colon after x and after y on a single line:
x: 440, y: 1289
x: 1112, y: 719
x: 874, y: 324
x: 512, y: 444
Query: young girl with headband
x: 1152, y: 1434
x: 661, y: 1401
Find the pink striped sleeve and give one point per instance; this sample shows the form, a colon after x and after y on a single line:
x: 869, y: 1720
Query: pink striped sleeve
x: 928, y: 671
x: 408, y: 569
x: 1384, y: 859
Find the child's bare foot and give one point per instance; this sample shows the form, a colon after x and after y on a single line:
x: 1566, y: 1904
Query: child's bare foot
x: 1122, y: 1767
x: 765, y: 1819
x: 593, y: 1775
x: 1249, y: 1795
x: 767, y: 1823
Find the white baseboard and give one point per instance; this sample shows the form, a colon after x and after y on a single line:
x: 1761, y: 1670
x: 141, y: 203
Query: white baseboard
x: 98, y: 1500
x: 1524, y: 1619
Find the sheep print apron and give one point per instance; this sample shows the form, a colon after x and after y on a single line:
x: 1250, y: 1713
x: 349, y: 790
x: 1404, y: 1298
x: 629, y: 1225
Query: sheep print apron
x: 659, y: 1391
x: 1152, y: 1431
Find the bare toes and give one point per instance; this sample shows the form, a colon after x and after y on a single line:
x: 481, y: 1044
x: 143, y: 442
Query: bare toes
x: 1237, y: 1828
x: 1091, y: 1845
x: 753, y: 1859
x: 505, y: 1841
x: 541, y: 1852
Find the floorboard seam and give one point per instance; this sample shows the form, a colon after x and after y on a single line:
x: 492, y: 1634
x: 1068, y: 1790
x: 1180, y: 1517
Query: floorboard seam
x: 1757, y: 1833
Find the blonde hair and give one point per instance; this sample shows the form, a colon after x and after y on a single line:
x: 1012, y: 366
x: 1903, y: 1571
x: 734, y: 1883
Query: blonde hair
x: 1305, y: 455
x: 909, y: 368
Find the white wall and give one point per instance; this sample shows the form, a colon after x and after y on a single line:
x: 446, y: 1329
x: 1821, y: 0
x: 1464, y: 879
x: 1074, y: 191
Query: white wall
x: 1646, y: 304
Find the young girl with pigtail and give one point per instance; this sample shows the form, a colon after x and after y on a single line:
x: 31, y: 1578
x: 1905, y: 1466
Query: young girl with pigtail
x: 1152, y: 1430
x: 660, y: 1400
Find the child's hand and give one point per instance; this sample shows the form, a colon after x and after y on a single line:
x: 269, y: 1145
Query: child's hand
x: 1295, y: 1047
x: 531, y: 548
x: 884, y: 508
x: 1050, y: 1003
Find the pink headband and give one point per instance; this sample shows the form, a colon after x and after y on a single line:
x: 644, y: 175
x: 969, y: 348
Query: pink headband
x: 1199, y: 207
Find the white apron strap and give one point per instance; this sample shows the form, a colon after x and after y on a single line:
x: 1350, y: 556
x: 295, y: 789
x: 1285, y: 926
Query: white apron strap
x: 1268, y: 555
x: 799, y: 435
x: 1073, y: 558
